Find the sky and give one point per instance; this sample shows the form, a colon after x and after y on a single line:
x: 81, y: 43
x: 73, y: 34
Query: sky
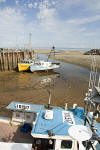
x: 63, y: 23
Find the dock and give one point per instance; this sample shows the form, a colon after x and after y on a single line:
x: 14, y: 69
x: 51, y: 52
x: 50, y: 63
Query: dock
x: 9, y: 58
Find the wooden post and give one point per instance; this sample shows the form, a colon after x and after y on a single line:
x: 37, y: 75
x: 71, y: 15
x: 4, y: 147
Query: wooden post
x: 8, y: 60
x: 0, y: 62
x: 5, y: 60
x: 32, y: 54
x: 29, y: 54
x: 12, y: 60
x: 3, y: 63
x: 17, y: 57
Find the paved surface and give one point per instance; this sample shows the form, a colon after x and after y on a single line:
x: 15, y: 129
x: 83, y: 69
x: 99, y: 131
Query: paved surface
x: 12, y: 133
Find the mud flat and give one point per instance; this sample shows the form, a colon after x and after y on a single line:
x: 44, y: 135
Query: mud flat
x: 69, y: 83
x: 40, y: 51
x: 77, y: 58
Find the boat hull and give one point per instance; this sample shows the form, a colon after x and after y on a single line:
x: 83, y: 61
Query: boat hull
x: 42, y: 68
x: 23, y: 67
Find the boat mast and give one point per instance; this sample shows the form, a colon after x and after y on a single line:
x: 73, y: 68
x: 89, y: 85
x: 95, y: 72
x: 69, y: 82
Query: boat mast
x: 93, y: 73
x: 92, y: 99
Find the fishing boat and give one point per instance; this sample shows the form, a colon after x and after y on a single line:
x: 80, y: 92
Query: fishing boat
x: 58, y: 128
x: 25, y: 64
x: 37, y: 65
x: 42, y: 65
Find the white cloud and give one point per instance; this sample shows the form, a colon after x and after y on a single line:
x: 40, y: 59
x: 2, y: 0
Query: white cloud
x: 2, y: 1
x: 11, y: 25
x: 84, y: 20
x: 92, y: 5
x: 30, y: 5
x: 47, y: 16
x: 16, y: 1
x: 35, y: 5
x: 47, y: 28
x: 85, y: 6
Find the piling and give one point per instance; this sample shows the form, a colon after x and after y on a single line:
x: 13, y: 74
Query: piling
x: 9, y: 58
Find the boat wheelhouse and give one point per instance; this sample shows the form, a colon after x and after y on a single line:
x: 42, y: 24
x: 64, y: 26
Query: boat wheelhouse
x: 23, y: 112
x: 42, y: 65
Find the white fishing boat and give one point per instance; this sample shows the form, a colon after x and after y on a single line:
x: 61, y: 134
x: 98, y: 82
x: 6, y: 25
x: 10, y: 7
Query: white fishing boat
x: 41, y: 65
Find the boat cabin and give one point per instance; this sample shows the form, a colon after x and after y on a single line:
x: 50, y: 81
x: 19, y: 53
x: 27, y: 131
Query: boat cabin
x: 51, y: 128
x: 27, y: 61
x: 43, y: 63
x: 23, y: 112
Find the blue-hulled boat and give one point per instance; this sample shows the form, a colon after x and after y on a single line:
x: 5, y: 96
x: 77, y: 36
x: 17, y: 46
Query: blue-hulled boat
x: 58, y: 128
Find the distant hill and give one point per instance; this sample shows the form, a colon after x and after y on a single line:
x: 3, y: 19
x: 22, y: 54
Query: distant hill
x: 93, y: 51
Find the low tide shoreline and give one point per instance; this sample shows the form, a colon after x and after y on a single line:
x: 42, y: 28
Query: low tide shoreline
x: 77, y: 58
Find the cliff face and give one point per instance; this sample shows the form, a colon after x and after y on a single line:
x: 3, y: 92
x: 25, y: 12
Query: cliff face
x: 93, y: 51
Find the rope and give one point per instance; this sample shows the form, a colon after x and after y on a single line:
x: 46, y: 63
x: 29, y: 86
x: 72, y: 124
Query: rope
x: 99, y: 82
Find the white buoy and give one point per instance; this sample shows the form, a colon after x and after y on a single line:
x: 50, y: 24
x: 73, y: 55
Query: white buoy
x: 80, y: 132
x: 74, y: 106
x: 66, y: 106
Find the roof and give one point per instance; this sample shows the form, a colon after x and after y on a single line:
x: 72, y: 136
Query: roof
x: 35, y: 108
x: 57, y: 125
x: 15, y: 146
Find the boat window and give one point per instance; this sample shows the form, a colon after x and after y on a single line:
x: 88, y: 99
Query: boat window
x: 86, y: 144
x: 66, y: 144
x: 28, y: 116
x: 17, y: 115
x: 20, y: 106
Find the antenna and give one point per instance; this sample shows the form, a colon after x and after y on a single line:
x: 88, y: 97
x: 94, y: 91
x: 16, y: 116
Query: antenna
x: 49, y: 102
x: 52, y: 51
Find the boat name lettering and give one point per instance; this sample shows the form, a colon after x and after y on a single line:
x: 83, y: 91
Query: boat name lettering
x: 23, y: 107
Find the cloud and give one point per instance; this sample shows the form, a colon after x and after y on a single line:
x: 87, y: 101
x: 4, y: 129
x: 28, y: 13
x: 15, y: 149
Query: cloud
x: 92, y: 6
x: 30, y: 5
x: 11, y: 25
x: 16, y: 1
x: 47, y: 16
x: 84, y: 20
x: 35, y: 5
x: 2, y: 1
x: 48, y: 27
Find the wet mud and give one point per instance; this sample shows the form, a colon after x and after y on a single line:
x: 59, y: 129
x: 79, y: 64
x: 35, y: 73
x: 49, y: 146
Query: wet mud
x: 68, y: 84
